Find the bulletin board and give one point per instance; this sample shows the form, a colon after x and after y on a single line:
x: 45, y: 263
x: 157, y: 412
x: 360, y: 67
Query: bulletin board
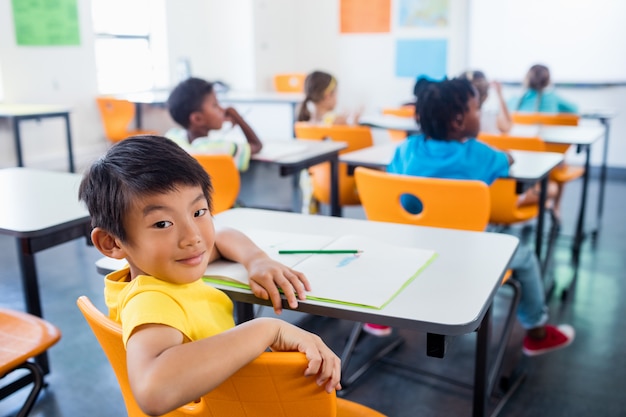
x: 46, y: 22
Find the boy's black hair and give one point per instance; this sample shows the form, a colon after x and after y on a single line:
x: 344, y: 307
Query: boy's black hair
x: 135, y: 167
x: 186, y: 98
x: 442, y: 102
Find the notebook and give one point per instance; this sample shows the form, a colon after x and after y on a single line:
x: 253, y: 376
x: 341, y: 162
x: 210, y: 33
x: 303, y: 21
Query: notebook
x: 371, y: 278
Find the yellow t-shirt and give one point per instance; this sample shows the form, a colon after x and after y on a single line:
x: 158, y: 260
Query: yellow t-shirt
x: 197, y: 309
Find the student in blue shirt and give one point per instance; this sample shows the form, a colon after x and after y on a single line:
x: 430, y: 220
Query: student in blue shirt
x: 537, y: 97
x: 447, y: 148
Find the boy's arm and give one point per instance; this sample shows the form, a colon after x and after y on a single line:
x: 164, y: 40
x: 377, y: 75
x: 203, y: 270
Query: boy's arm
x: 266, y: 275
x: 503, y: 121
x: 251, y: 137
x: 165, y: 373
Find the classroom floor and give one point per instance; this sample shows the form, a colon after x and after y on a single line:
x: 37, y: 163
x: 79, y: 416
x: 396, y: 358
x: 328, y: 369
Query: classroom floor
x: 582, y: 380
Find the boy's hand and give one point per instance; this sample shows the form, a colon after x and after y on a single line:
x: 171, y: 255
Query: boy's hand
x: 268, y: 275
x: 232, y: 115
x: 323, y: 363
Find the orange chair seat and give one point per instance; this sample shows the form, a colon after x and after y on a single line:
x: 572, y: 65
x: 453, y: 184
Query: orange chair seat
x: 564, y: 173
x: 23, y: 336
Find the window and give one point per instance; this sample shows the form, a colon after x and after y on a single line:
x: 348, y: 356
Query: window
x: 130, y: 45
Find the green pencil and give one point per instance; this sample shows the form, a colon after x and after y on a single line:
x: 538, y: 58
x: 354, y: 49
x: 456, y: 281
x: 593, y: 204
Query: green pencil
x: 296, y: 252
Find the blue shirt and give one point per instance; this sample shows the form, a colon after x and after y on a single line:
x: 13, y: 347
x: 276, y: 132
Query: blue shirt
x: 469, y: 160
x: 550, y: 102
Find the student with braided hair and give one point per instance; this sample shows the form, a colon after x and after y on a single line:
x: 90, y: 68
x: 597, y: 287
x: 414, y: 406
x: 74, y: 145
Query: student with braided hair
x: 447, y: 148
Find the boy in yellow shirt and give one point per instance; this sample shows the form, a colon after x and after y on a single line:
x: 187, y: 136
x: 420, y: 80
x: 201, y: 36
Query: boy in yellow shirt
x: 150, y: 203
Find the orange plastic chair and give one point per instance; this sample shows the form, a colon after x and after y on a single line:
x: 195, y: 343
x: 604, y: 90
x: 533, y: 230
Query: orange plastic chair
x: 289, y: 82
x: 225, y: 179
x: 404, y: 111
x: 271, y: 385
x: 564, y: 172
x: 22, y: 337
x: 356, y: 137
x: 116, y: 116
x: 446, y: 203
x: 504, y: 207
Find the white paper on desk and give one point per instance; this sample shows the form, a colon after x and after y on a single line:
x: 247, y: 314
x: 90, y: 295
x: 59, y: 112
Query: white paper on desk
x: 371, y: 278
x: 275, y: 150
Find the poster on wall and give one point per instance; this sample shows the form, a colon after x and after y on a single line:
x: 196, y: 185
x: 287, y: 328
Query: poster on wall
x: 422, y: 57
x: 423, y: 13
x: 46, y: 22
x: 365, y: 16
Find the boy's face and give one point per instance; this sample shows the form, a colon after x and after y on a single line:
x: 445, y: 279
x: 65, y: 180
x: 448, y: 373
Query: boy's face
x: 210, y: 116
x: 471, y: 118
x: 170, y: 235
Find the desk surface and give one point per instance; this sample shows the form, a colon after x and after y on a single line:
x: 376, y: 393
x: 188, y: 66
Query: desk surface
x: 384, y: 121
x: 13, y: 110
x: 573, y: 135
x: 450, y: 296
x: 527, y: 166
x: 36, y: 202
x: 287, y: 152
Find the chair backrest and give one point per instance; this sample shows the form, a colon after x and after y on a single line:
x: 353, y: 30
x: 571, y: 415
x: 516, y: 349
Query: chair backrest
x: 116, y: 116
x: 356, y: 137
x: 548, y: 119
x: 507, y: 143
x: 404, y: 111
x: 289, y: 82
x: 271, y: 385
x: 454, y: 204
x: 224, y: 177
x: 23, y: 336
x: 561, y: 119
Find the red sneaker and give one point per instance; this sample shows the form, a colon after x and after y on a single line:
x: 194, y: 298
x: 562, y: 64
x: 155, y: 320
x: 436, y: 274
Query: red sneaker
x: 377, y: 329
x: 556, y: 338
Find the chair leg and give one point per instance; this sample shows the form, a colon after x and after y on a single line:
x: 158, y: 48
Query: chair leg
x: 506, y: 334
x: 38, y: 384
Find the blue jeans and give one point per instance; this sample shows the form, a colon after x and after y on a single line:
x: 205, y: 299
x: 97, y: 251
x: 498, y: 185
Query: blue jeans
x: 532, y: 311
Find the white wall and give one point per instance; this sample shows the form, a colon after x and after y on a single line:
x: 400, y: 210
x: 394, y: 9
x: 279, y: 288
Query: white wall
x: 64, y: 75
x: 243, y: 42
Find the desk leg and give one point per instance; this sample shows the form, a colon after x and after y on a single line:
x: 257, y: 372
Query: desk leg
x: 481, y: 366
x: 138, y: 116
x: 605, y: 152
x: 580, y: 233
x: 30, y: 286
x: 542, y: 210
x: 244, y: 311
x: 335, y: 208
x: 18, y: 141
x: 70, y: 153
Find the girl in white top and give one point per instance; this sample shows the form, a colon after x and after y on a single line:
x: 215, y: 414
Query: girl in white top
x: 320, y: 100
x: 492, y: 120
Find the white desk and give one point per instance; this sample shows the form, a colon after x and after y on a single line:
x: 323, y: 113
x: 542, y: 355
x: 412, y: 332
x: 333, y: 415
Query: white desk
x: 452, y: 296
x: 528, y: 169
x: 41, y: 210
x: 384, y: 121
x: 581, y: 136
x: 295, y: 155
x: 20, y: 112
